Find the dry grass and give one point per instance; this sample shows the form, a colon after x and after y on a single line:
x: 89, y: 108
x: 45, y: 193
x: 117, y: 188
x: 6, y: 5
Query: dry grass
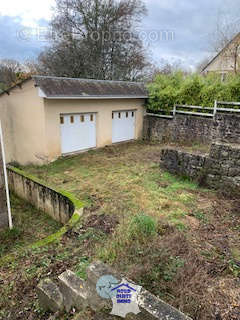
x: 194, y: 249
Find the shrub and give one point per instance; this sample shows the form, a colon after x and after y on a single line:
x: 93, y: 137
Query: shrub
x: 190, y: 91
x: 164, y: 91
x: 176, y: 88
x: 142, y: 226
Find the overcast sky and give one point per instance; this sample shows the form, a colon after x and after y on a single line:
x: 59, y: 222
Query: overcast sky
x: 189, y: 23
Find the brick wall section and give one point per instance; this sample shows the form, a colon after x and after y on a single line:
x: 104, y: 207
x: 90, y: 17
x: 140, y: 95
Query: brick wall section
x: 186, y: 128
x: 3, y: 201
x: 220, y: 169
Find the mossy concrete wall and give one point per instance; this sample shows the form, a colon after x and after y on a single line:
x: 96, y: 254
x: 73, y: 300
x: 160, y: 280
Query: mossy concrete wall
x: 3, y: 200
x: 55, y: 204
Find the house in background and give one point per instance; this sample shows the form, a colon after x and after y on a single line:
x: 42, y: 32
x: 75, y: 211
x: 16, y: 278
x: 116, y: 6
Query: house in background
x: 227, y: 60
x: 46, y: 117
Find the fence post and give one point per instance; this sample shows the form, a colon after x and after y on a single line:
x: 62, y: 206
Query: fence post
x: 5, y: 208
x: 215, y: 108
x: 174, y: 110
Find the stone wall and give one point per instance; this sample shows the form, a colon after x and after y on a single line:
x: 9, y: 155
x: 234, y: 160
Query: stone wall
x: 226, y: 128
x: 3, y: 200
x: 220, y: 169
x: 183, y: 163
x: 58, y: 206
x: 187, y: 128
x: 72, y: 291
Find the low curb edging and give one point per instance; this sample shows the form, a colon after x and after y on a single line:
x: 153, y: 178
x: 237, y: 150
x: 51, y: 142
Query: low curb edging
x: 60, y: 205
x: 75, y: 205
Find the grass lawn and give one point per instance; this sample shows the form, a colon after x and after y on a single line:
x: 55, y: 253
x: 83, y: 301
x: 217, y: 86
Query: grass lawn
x: 176, y: 239
x: 29, y: 225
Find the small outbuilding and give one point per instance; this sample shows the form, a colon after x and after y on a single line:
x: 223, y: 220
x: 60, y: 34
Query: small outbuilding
x: 46, y: 117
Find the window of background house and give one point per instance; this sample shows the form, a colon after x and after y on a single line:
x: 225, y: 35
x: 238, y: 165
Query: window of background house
x: 71, y: 119
x: 119, y: 115
x: 82, y: 118
x: 91, y: 117
x: 126, y: 114
x: 61, y: 120
x: 132, y: 114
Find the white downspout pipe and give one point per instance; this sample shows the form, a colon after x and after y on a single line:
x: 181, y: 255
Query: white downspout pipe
x: 6, y: 179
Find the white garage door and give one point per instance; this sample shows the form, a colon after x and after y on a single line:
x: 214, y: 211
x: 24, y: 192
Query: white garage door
x: 123, y: 125
x: 78, y: 132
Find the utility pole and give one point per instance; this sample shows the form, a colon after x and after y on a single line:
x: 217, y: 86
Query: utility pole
x: 5, y: 209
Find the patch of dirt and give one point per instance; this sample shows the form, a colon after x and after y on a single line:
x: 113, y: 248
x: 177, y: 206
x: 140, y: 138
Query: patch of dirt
x: 224, y: 295
x: 192, y: 222
x: 103, y: 222
x: 153, y: 156
x: 205, y: 204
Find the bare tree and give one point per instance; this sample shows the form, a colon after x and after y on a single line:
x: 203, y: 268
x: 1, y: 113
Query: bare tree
x: 226, y: 39
x: 96, y: 39
x: 10, y: 71
x: 31, y: 66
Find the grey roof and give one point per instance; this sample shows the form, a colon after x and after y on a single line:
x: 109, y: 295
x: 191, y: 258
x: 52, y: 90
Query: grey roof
x: 59, y: 87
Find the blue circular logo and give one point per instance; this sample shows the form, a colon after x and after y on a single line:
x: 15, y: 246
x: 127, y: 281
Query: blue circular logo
x: 105, y: 285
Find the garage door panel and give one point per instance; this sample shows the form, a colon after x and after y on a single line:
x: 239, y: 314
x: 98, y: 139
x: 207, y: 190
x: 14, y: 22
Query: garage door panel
x: 78, y: 132
x: 123, y: 126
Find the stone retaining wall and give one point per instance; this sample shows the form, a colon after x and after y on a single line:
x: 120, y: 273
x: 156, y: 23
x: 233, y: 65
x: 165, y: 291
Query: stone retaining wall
x: 187, y: 128
x: 220, y: 169
x: 58, y: 206
x: 71, y: 291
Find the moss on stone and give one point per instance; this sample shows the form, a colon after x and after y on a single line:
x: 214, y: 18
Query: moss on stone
x: 78, y: 204
x: 57, y: 236
x: 26, y: 175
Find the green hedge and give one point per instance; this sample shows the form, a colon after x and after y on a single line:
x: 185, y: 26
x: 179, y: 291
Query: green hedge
x: 194, y: 89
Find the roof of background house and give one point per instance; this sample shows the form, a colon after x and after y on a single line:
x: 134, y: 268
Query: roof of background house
x: 59, y: 87
x: 74, y: 88
x: 220, y: 52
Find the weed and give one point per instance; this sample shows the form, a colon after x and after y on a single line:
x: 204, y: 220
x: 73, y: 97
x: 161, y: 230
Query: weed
x: 200, y: 216
x: 12, y: 234
x: 82, y: 267
x: 171, y: 268
x: 180, y: 226
x: 92, y: 234
x: 234, y: 268
x: 142, y: 226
